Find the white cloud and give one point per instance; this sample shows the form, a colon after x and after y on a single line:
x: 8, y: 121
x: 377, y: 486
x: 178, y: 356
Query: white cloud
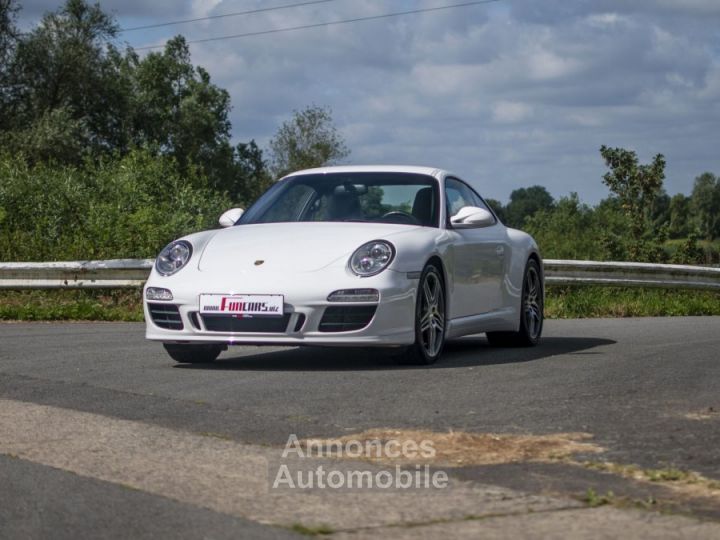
x: 544, y: 64
x: 605, y: 19
x: 510, y: 112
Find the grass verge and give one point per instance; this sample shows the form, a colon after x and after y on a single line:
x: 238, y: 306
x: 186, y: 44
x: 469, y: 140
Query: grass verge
x: 594, y: 302
x: 561, y: 303
x: 64, y: 305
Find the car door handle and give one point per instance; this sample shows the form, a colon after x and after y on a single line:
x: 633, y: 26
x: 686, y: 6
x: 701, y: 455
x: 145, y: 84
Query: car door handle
x: 500, y: 251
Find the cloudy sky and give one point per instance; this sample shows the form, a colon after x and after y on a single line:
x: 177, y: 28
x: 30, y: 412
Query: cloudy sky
x: 507, y: 94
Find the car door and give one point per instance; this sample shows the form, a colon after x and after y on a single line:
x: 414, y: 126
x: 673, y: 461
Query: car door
x: 478, y: 256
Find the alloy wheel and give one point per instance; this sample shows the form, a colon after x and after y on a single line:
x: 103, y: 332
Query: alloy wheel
x: 532, y: 302
x: 432, y: 315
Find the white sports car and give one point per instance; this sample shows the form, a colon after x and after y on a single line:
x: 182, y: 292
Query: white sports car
x: 397, y: 257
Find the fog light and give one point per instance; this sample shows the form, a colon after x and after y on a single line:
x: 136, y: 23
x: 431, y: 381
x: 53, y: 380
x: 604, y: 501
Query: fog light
x: 355, y: 295
x: 156, y: 293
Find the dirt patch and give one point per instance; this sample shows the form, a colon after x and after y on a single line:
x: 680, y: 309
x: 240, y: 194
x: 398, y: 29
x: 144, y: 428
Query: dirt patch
x: 460, y: 449
x: 451, y: 449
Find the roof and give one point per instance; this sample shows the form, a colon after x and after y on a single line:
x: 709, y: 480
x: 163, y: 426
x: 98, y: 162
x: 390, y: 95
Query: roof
x: 430, y: 171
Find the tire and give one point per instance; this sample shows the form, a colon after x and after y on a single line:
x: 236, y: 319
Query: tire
x: 430, y: 320
x: 531, y: 313
x: 193, y: 354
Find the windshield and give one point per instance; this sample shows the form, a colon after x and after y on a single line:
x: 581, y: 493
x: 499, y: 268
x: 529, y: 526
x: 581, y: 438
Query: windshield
x: 410, y: 199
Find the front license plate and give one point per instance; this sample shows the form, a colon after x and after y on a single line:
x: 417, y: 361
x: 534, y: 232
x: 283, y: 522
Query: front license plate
x: 242, y: 304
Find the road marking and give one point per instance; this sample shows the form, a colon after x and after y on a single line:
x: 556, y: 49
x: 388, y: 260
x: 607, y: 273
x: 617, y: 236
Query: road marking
x: 231, y: 477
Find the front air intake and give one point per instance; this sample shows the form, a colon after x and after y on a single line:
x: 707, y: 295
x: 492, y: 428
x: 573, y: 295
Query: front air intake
x: 249, y: 325
x: 346, y: 318
x: 166, y: 316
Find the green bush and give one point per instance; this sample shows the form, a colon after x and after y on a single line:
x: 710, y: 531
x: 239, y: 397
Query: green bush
x: 574, y: 230
x: 126, y: 207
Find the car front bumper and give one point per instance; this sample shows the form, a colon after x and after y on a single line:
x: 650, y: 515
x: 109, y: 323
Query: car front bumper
x: 391, y: 324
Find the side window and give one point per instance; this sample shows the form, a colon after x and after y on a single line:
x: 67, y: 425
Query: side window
x: 458, y: 194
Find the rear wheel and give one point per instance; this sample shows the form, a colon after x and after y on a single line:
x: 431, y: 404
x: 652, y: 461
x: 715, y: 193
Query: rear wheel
x: 430, y: 320
x: 531, y: 313
x: 193, y: 354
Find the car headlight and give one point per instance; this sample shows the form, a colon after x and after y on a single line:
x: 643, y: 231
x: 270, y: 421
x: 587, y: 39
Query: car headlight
x: 173, y: 257
x: 372, y: 258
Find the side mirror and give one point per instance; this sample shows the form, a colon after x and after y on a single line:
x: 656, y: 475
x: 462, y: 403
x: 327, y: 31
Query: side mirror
x: 229, y: 218
x: 472, y: 217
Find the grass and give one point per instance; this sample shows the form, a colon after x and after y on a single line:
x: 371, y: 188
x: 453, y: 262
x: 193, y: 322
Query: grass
x: 311, y: 531
x: 79, y: 305
x: 593, y: 499
x: 561, y: 303
x: 667, y: 475
x: 593, y: 302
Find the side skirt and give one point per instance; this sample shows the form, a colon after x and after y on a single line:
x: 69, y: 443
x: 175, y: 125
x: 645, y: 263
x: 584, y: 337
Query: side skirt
x: 505, y: 319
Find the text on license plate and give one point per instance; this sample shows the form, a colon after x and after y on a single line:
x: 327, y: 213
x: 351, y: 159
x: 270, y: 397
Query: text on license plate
x: 242, y: 304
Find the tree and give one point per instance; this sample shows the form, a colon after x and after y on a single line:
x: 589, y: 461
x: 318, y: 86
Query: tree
x: 8, y: 41
x: 566, y: 231
x: 636, y: 187
x: 498, y: 208
x: 54, y: 137
x: 72, y: 96
x: 176, y: 108
x: 309, y: 139
x: 689, y: 252
x: 680, y: 225
x: 611, y: 227
x: 659, y: 211
x: 705, y: 204
x: 67, y: 64
x: 252, y: 176
x: 525, y: 202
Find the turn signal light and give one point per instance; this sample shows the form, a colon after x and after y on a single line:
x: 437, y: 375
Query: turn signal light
x: 157, y: 293
x: 355, y: 295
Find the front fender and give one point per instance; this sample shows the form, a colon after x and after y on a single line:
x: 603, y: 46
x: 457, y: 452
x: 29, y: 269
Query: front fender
x: 413, y: 251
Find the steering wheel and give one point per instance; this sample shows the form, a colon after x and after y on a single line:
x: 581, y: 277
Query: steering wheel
x: 399, y: 216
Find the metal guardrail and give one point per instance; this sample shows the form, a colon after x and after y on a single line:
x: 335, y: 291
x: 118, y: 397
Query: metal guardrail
x: 630, y: 274
x: 113, y: 274
x: 127, y: 273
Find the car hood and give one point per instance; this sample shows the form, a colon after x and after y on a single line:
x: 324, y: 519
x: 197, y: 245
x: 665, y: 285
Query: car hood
x: 291, y: 247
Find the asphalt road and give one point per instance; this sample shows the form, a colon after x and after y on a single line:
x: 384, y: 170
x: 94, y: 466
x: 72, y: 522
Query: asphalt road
x: 646, y: 390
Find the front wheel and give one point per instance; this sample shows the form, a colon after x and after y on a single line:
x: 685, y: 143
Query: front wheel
x: 531, y: 313
x: 430, y: 320
x: 193, y: 354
